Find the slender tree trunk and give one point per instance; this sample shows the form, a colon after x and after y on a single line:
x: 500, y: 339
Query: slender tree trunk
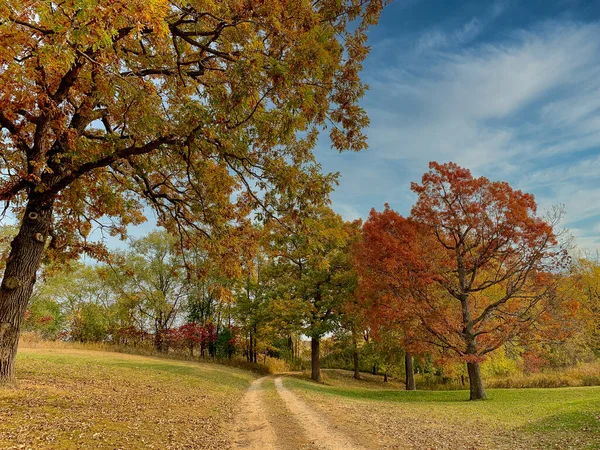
x: 250, y: 351
x: 254, y: 350
x: 355, y: 355
x: 158, y: 339
x: 291, y: 347
x: 211, y: 348
x: 410, y: 372
x: 475, y: 382
x: 355, y: 361
x: 19, y: 277
x: 315, y: 348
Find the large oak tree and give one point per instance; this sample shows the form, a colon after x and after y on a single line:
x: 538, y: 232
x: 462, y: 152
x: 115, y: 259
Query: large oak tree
x: 495, y: 260
x: 201, y: 109
x: 473, y: 267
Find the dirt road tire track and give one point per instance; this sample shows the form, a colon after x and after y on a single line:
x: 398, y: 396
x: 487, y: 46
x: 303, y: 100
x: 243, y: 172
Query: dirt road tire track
x: 319, y: 430
x: 253, y: 430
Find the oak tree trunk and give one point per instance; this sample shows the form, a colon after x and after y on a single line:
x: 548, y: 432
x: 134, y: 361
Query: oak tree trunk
x: 410, y: 372
x: 355, y: 355
x: 19, y: 277
x: 477, y: 392
x: 315, y: 348
x: 253, y: 350
x: 355, y: 361
x: 475, y: 382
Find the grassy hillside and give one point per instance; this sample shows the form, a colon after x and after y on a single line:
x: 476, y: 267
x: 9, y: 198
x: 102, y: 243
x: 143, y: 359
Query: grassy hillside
x: 563, y: 418
x: 78, y: 399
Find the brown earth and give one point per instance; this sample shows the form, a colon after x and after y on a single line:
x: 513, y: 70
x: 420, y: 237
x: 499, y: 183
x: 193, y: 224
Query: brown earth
x: 293, y: 426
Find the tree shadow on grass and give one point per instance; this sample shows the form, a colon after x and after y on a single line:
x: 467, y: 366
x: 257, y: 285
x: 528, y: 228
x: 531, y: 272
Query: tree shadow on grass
x: 573, y: 429
x: 585, y: 421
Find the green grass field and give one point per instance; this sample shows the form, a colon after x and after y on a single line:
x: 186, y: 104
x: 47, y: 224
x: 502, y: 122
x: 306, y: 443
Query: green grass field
x: 533, y: 418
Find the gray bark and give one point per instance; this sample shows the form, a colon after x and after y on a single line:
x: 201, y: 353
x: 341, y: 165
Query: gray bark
x: 19, y: 278
x: 410, y: 372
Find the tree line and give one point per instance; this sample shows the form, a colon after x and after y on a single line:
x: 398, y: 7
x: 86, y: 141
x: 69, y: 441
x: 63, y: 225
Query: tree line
x: 472, y: 271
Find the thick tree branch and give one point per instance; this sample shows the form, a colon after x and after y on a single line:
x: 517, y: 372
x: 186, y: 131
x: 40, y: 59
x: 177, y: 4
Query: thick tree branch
x: 105, y: 161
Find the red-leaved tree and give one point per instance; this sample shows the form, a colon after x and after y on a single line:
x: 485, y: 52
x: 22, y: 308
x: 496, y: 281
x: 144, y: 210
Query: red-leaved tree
x: 488, y: 265
x: 383, y: 259
x: 473, y: 268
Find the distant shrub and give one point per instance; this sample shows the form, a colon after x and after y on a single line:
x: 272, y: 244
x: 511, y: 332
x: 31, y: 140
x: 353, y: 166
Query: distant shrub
x: 277, y: 365
x: 432, y: 382
x: 585, y: 374
x: 500, y: 365
x: 29, y: 339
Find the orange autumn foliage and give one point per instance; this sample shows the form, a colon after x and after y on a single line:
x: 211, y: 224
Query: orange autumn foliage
x: 473, y: 267
x: 380, y: 259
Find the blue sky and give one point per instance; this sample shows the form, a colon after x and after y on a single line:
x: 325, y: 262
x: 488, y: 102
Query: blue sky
x: 509, y: 89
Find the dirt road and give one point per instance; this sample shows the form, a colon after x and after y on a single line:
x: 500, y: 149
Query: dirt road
x: 272, y: 417
x: 253, y: 431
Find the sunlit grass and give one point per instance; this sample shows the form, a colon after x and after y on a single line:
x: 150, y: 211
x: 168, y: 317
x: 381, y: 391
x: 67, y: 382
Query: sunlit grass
x: 557, y: 414
x: 77, y: 399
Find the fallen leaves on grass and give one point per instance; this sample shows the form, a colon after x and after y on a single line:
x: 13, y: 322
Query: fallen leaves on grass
x: 78, y: 400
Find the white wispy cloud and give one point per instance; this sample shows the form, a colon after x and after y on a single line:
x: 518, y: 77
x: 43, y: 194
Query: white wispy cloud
x: 463, y: 100
x: 436, y: 39
x: 525, y: 109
